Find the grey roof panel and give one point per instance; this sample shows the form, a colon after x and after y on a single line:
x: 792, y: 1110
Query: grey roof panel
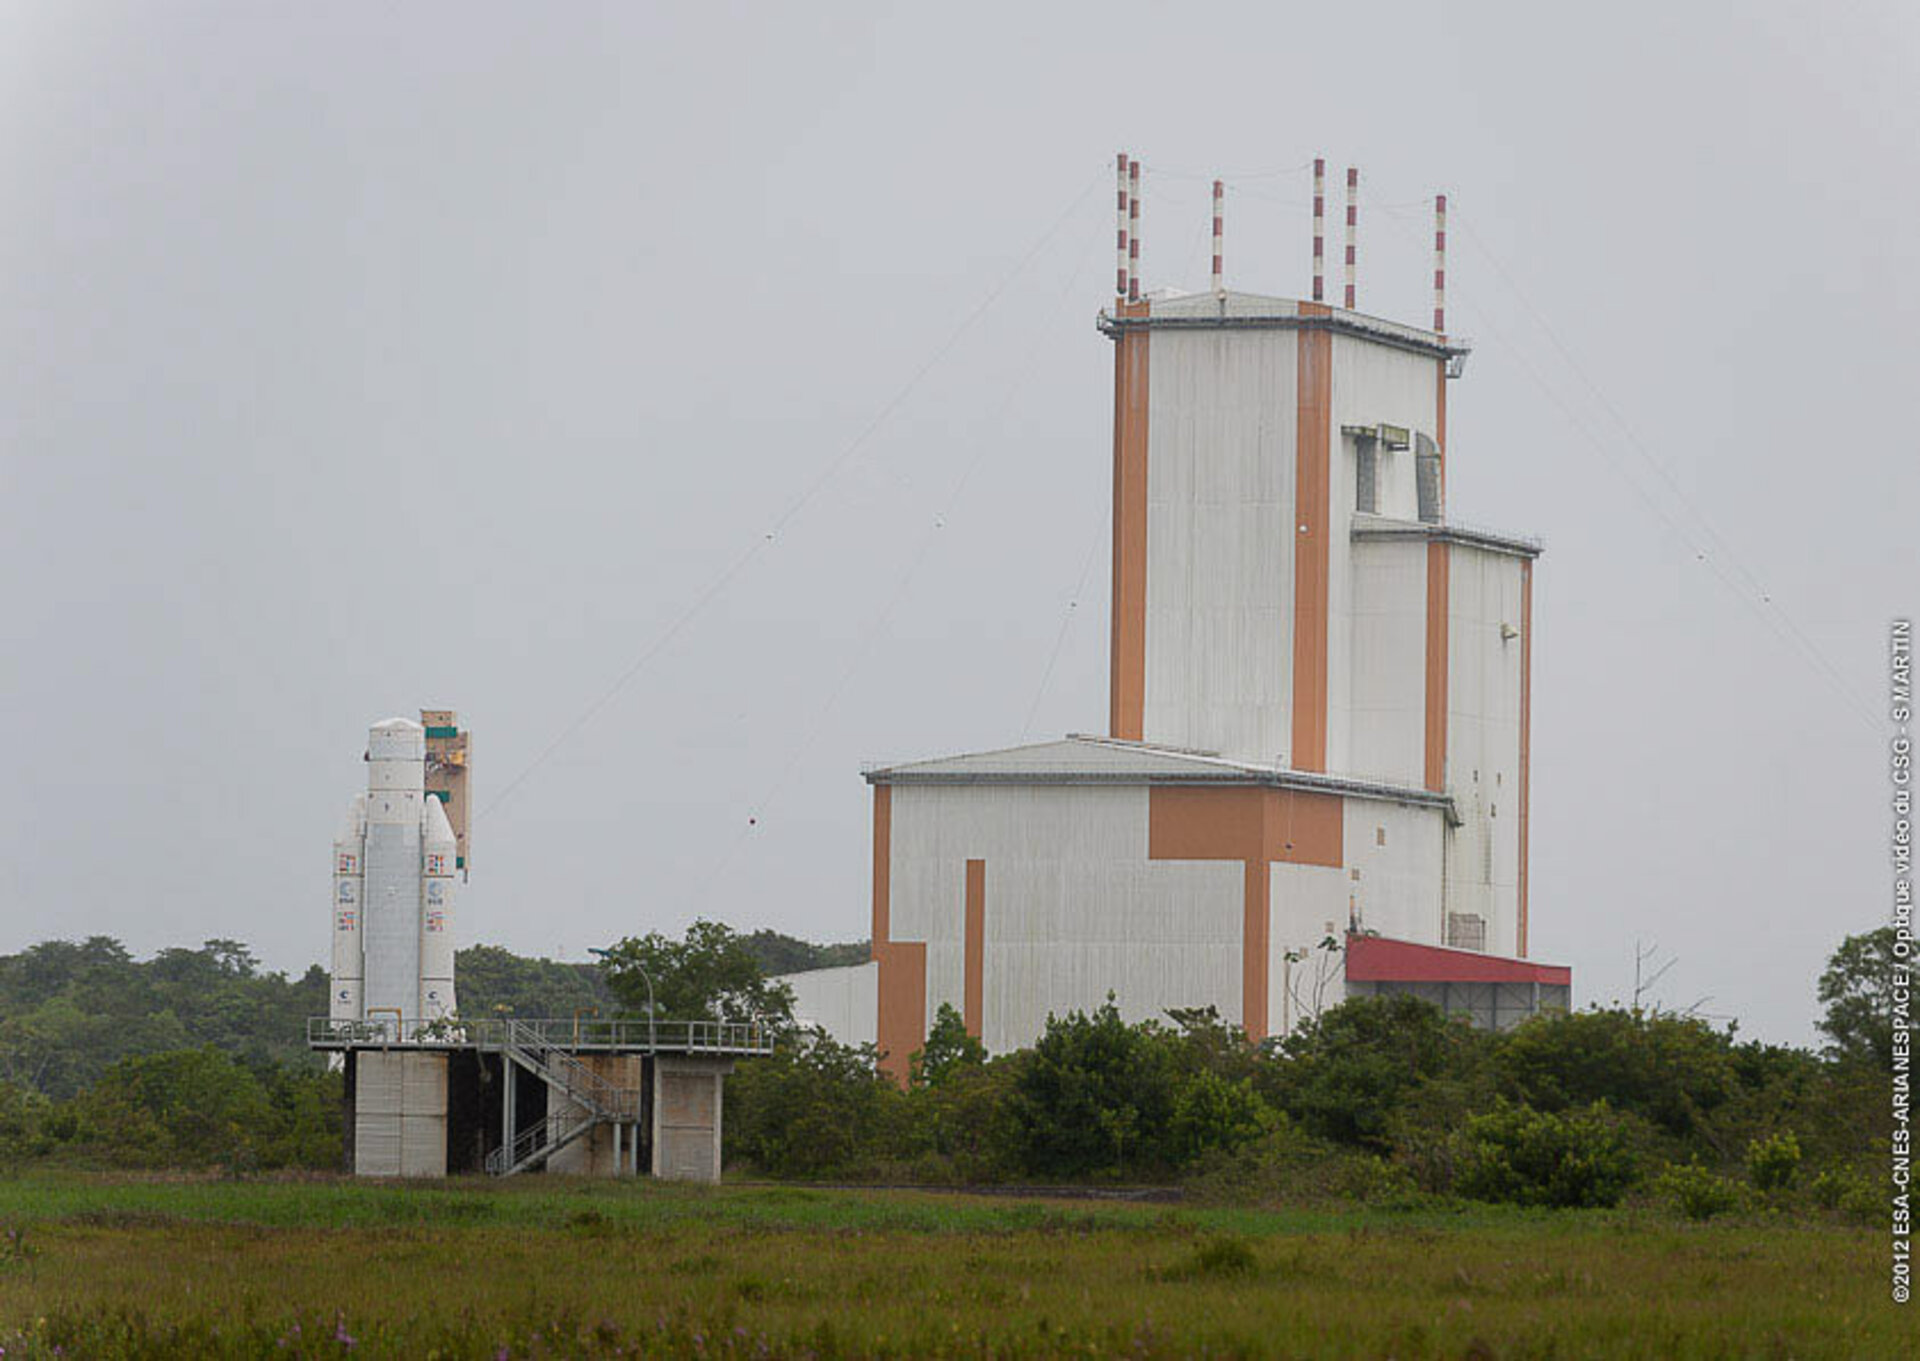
x: 1109, y: 761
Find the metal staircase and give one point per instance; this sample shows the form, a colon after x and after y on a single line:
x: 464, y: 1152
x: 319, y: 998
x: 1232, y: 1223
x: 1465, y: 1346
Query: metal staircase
x: 587, y: 1100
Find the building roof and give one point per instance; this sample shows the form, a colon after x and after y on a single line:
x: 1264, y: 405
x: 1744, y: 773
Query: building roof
x: 1085, y: 760
x: 1184, y: 311
x: 1377, y: 959
x: 1447, y: 531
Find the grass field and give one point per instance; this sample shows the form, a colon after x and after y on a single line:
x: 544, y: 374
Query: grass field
x: 98, y: 1266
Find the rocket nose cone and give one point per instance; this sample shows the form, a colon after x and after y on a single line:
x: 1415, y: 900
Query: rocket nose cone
x: 352, y: 825
x: 434, y: 827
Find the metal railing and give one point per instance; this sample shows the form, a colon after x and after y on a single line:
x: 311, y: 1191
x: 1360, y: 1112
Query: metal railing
x: 564, y: 1033
x: 607, y: 1099
x: 540, y: 1141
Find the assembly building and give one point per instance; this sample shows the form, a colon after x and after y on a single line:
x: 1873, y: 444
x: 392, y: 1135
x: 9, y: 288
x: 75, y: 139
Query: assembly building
x: 1314, y: 778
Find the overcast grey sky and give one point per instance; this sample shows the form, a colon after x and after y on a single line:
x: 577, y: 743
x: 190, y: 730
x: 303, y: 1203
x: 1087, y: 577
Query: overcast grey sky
x: 355, y: 358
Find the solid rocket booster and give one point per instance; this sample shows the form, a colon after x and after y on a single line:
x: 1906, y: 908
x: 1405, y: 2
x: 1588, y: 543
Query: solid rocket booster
x: 436, y: 912
x: 393, y: 888
x: 349, y: 891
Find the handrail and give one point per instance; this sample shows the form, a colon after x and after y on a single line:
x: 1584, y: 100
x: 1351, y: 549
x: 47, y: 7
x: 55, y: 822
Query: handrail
x: 542, y: 1139
x: 559, y: 1033
x: 581, y: 1084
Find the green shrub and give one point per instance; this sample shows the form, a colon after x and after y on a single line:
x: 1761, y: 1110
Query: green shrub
x: 1851, y: 1192
x: 1773, y: 1162
x: 1522, y: 1156
x: 1671, y: 1070
x: 1696, y: 1192
x: 1095, y: 1096
x: 1284, y: 1165
x: 1210, y: 1112
x: 1375, y: 1181
x: 1341, y: 1075
x: 812, y: 1108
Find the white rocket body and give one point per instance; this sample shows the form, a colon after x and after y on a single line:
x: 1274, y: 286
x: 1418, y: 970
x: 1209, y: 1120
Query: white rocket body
x: 440, y: 852
x: 396, y: 855
x: 349, y: 898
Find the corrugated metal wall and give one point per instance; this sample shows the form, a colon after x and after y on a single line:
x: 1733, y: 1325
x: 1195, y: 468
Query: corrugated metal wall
x: 1074, y: 909
x: 1220, y: 489
x: 1483, y: 740
x: 1386, y: 707
x: 844, y: 1002
x: 1371, y: 384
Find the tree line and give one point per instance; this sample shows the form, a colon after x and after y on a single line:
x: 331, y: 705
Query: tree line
x: 1383, y: 1099
x: 197, y: 1057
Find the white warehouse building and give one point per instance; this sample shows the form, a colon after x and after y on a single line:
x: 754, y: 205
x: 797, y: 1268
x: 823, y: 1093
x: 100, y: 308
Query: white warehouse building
x: 1314, y: 782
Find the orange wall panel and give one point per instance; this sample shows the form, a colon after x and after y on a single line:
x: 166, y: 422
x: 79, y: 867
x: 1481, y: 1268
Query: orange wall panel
x: 1127, y: 652
x: 1311, y: 545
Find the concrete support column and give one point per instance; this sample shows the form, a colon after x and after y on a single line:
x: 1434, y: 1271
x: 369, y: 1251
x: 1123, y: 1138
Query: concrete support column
x: 687, y: 1103
x: 509, y: 1095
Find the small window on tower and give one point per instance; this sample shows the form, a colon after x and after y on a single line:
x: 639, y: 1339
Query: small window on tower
x: 1379, y: 836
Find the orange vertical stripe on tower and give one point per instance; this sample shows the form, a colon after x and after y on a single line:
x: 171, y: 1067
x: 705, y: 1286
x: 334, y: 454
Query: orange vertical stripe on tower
x: 976, y: 946
x: 1526, y: 733
x: 1440, y: 426
x: 1255, y: 935
x: 1312, y: 512
x: 1127, y: 680
x: 1438, y: 563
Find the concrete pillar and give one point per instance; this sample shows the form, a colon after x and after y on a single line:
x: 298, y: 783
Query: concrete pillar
x: 687, y: 1104
x: 400, y: 1114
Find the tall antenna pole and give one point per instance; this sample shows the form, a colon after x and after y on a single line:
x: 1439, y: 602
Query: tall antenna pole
x: 1219, y: 211
x: 1133, y: 231
x: 1120, y: 275
x: 1353, y: 230
x: 1440, y: 263
x: 1319, y: 229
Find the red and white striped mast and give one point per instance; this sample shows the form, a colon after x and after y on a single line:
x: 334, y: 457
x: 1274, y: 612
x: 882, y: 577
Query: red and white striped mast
x: 1440, y: 263
x: 1133, y: 231
x: 1319, y: 228
x: 1353, y: 231
x: 1120, y: 275
x: 1219, y: 213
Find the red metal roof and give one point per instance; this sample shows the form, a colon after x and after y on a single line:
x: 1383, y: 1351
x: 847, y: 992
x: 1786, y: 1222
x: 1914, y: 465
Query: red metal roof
x: 1375, y: 959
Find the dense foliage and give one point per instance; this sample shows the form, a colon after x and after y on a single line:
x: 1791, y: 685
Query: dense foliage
x: 1382, y: 1098
x: 493, y: 981
x: 713, y: 972
x: 777, y: 954
x: 69, y: 1011
x: 196, y: 1058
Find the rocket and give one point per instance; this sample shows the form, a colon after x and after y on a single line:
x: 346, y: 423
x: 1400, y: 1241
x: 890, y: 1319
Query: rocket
x: 393, y: 876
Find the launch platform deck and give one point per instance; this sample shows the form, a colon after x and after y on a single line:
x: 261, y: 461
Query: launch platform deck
x: 431, y: 1098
